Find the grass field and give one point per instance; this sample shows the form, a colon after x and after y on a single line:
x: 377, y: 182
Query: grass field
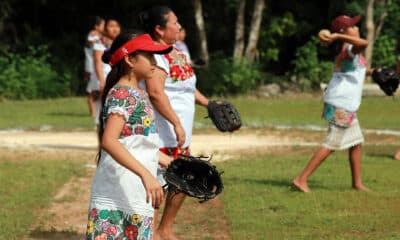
x: 72, y: 113
x: 261, y: 204
x: 26, y: 188
x: 258, y: 200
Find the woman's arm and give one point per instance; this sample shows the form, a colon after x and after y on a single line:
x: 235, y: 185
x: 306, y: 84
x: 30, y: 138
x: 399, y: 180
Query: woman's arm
x: 110, y: 143
x: 155, y: 88
x: 359, y: 44
x: 200, y: 98
x: 98, y: 67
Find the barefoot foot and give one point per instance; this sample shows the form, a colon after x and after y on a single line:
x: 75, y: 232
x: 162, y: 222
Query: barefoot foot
x: 361, y: 188
x: 397, y: 155
x: 164, y: 235
x: 302, y: 186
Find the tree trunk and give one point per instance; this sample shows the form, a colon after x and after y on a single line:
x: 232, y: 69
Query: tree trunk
x: 370, y: 27
x: 381, y: 19
x: 239, y: 33
x: 254, y: 30
x: 202, y: 31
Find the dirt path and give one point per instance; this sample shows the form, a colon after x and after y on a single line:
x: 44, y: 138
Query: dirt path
x: 66, y: 217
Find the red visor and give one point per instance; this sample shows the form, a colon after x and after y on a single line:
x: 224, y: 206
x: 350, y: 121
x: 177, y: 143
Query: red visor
x: 342, y: 22
x: 142, y: 43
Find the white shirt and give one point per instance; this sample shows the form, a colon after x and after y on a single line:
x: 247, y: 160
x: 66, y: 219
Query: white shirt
x: 88, y: 50
x: 345, y: 88
x: 99, y: 46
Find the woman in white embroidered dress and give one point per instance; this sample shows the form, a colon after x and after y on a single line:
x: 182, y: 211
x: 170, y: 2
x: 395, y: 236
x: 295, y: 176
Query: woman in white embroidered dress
x: 176, y: 89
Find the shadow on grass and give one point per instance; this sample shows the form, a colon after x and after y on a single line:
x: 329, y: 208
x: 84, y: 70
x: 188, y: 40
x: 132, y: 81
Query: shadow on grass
x: 39, y: 234
x: 384, y: 156
x: 282, y: 183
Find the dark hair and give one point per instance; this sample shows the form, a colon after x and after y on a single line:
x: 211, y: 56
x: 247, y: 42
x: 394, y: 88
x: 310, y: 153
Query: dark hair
x: 97, y: 20
x: 149, y: 19
x: 117, y: 71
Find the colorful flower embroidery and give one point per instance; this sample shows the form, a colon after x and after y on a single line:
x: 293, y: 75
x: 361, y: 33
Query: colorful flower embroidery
x: 179, y: 68
x: 90, y: 227
x: 146, y: 122
x: 118, y: 226
x: 121, y: 93
x: 136, y: 218
x: 131, y: 232
x: 137, y: 107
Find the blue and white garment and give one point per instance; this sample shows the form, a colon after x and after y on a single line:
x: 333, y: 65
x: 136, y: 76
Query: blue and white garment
x: 345, y: 88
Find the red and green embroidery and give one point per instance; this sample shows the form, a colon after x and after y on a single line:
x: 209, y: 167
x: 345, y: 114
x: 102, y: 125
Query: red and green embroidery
x: 179, y: 68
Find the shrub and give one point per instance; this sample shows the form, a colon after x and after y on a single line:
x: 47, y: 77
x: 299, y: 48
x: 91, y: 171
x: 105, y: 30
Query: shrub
x: 225, y: 76
x: 29, y: 76
x: 309, y: 71
x: 384, y: 52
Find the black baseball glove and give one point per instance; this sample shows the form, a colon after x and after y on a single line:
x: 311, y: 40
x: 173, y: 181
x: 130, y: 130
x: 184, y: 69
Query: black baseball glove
x: 224, y: 116
x: 195, y: 177
x: 387, y: 80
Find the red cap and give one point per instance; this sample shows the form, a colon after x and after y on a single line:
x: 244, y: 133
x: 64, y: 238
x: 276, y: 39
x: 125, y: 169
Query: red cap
x: 340, y: 23
x: 143, y: 43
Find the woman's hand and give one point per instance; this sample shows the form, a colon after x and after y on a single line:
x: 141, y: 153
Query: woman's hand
x: 164, y: 160
x: 180, y: 134
x: 153, y: 190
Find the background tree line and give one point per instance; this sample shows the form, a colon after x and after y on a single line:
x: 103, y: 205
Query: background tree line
x: 244, y: 43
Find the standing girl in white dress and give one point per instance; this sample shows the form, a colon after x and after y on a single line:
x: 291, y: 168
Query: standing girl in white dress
x: 125, y: 190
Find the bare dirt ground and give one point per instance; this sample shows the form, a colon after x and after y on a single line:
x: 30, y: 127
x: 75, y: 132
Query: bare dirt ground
x: 66, y: 217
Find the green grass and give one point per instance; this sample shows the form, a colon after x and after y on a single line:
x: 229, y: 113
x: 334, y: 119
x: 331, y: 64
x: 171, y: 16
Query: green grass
x: 373, y: 113
x: 26, y: 188
x: 72, y: 113
x: 261, y: 204
x: 60, y: 114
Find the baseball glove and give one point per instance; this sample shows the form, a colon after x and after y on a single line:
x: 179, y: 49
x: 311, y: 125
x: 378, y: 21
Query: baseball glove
x: 195, y: 177
x: 224, y: 116
x: 387, y: 80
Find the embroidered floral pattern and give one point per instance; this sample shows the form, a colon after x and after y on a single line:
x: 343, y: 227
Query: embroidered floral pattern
x: 136, y: 105
x: 117, y: 225
x: 179, y: 68
x: 338, y: 116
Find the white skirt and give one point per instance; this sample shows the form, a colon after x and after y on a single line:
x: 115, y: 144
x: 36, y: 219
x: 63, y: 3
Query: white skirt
x: 340, y: 138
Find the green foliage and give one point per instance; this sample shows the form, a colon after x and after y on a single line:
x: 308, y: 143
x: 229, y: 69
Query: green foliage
x: 29, y: 76
x: 227, y: 76
x: 270, y: 37
x: 308, y: 69
x: 384, y: 52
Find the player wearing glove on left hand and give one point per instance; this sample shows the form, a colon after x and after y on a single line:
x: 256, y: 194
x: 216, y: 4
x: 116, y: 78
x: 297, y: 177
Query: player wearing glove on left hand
x: 387, y: 80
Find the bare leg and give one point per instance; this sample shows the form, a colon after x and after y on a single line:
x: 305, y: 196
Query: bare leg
x: 397, y: 155
x: 92, y: 107
x: 319, y: 156
x: 156, y: 235
x: 355, y: 165
x: 172, y: 206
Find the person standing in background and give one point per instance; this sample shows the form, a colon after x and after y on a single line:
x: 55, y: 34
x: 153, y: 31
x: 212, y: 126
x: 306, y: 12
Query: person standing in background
x: 94, y: 35
x: 181, y: 44
x: 101, y: 69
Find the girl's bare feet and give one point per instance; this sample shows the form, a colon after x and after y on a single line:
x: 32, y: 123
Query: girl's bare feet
x: 302, y: 186
x: 361, y: 188
x: 397, y: 155
x: 160, y: 235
